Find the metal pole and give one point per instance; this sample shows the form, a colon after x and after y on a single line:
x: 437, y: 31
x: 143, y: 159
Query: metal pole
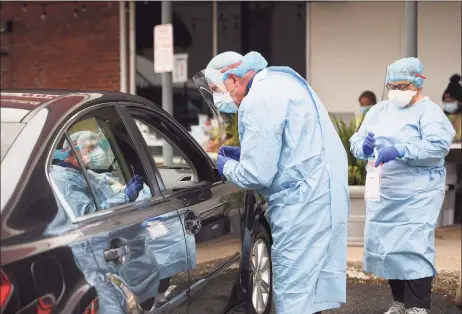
x: 123, y: 47
x: 167, y: 87
x: 132, y: 56
x: 215, y: 29
x: 410, y: 29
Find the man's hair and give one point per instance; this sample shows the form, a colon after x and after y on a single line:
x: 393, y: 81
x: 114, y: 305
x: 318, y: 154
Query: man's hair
x: 370, y: 95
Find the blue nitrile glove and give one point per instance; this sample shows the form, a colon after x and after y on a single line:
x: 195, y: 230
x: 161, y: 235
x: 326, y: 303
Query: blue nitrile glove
x: 132, y: 190
x: 232, y: 152
x: 134, y: 179
x: 221, y: 161
x: 369, y: 144
x: 387, y: 154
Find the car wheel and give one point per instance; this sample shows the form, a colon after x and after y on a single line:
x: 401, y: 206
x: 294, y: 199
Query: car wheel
x: 260, y: 295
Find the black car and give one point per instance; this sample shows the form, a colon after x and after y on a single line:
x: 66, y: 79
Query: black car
x: 82, y: 241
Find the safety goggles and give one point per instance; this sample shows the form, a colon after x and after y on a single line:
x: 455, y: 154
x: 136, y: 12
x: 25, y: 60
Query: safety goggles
x: 401, y: 87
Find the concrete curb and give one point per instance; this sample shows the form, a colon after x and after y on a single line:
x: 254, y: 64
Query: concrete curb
x: 446, y: 281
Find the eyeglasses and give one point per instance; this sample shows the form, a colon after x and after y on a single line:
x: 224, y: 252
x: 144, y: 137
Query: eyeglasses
x: 401, y: 87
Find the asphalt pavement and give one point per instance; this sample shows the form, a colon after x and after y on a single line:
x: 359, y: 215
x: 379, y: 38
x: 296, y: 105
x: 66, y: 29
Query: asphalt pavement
x: 366, y: 298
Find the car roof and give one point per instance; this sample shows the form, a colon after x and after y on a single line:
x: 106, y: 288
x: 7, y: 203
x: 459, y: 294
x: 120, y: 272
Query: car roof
x: 27, y: 100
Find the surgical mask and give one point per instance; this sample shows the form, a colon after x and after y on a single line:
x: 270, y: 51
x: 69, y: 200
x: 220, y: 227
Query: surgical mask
x: 98, y: 159
x: 450, y: 107
x: 225, y: 103
x: 401, y: 98
x: 364, y: 109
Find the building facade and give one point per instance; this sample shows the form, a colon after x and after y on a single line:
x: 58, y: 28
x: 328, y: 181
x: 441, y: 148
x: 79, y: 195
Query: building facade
x: 342, y: 48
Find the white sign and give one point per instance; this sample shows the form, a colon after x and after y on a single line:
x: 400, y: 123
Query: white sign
x: 163, y: 48
x: 180, y: 68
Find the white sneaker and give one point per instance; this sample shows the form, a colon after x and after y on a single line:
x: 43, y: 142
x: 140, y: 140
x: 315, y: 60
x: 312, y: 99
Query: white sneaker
x: 416, y: 310
x: 396, y: 308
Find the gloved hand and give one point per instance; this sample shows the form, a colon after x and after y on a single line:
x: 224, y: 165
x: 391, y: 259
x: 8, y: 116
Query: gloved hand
x: 221, y: 161
x: 387, y: 154
x: 133, y: 187
x: 232, y: 152
x: 134, y: 179
x: 369, y: 144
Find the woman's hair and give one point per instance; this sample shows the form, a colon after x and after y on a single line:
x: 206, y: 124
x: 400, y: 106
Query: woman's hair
x: 370, y: 95
x: 454, y: 90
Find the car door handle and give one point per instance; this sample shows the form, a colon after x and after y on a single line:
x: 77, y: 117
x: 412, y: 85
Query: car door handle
x: 117, y: 252
x: 206, y: 212
x: 192, y: 222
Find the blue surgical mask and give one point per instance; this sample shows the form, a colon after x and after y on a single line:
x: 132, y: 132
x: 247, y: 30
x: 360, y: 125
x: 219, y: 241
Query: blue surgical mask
x: 450, y: 107
x: 98, y: 159
x: 225, y: 103
x: 364, y: 109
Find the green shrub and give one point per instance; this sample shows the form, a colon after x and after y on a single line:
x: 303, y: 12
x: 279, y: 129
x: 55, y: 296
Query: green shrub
x: 356, y: 168
x: 232, y: 132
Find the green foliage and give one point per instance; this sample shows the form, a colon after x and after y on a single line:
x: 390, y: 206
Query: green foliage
x: 232, y: 132
x: 356, y: 168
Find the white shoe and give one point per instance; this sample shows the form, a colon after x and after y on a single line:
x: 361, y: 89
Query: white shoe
x: 396, y: 308
x: 416, y: 310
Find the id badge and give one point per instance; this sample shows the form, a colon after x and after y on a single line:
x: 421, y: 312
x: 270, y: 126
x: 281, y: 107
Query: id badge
x: 372, y: 188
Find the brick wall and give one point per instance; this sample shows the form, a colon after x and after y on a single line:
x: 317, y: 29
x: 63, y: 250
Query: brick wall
x: 61, y: 51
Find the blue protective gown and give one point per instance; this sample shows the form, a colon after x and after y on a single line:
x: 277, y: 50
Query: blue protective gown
x: 291, y: 154
x: 400, y: 228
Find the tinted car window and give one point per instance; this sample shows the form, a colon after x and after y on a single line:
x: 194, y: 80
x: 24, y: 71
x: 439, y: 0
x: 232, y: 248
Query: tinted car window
x: 113, y: 174
x: 9, y: 133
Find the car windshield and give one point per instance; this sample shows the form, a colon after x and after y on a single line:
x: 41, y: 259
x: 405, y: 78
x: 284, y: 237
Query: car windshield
x: 10, y: 131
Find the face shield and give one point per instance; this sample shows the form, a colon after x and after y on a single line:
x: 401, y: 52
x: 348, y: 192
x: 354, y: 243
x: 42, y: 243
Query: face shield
x: 222, y: 131
x: 216, y: 96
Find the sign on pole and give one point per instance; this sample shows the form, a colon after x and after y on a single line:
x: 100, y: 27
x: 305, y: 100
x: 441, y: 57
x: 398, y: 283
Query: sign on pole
x: 180, y: 68
x: 163, y: 48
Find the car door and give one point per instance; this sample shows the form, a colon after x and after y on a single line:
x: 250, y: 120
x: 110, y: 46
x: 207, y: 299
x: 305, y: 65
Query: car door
x: 136, y: 259
x: 210, y: 209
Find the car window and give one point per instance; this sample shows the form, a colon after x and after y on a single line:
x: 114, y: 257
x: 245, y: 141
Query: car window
x: 177, y: 173
x: 113, y: 174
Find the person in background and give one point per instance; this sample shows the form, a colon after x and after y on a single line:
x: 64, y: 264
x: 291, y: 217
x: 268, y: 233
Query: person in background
x: 412, y: 136
x: 452, y: 104
x: 366, y: 100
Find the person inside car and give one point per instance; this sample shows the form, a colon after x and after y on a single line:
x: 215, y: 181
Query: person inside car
x: 67, y: 175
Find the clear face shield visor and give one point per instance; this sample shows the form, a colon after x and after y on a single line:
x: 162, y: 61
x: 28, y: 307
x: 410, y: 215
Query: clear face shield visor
x: 216, y: 96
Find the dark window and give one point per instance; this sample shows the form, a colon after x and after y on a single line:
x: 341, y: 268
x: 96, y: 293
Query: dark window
x: 275, y: 29
x: 192, y: 27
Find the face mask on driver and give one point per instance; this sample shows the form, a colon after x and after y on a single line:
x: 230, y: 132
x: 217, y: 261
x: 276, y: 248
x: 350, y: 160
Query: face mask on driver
x: 98, y: 159
x: 225, y: 103
x: 450, y: 107
x: 401, y: 98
